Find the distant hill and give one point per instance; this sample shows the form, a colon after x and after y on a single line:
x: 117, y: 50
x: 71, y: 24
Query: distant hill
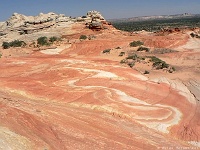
x: 159, y: 17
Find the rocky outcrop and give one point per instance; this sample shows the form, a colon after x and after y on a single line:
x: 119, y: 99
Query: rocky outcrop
x: 23, y: 24
x: 96, y: 20
x: 29, y: 24
x: 19, y: 20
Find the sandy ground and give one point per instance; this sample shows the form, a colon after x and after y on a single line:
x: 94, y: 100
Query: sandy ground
x: 54, y: 51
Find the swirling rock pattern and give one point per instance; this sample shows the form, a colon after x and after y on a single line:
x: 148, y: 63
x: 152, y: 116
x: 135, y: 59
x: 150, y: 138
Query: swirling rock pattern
x: 81, y: 104
x: 79, y: 99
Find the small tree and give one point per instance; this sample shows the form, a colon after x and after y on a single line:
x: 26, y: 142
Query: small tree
x: 17, y: 43
x: 6, y: 45
x: 146, y: 72
x: 136, y: 43
x: 83, y: 37
x: 192, y: 35
x: 54, y: 38
x: 43, y: 41
x: 143, y: 49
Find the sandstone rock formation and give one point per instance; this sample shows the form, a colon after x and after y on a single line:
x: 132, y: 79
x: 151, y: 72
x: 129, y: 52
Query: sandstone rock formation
x: 96, y: 20
x: 74, y: 96
x: 25, y: 24
x: 19, y: 26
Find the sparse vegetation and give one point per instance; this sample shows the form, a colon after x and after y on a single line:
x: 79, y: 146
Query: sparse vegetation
x: 193, y: 35
x: 106, y: 51
x: 143, y: 49
x: 122, y: 54
x: 118, y: 47
x: 156, y: 25
x: 131, y: 64
x: 15, y: 43
x: 146, y: 72
x: 133, y: 57
x: 83, y: 37
x: 54, y: 39
x: 6, y: 45
x: 42, y: 41
x: 123, y: 61
x: 136, y: 43
x: 2, y: 34
x: 156, y: 62
x: 163, y: 51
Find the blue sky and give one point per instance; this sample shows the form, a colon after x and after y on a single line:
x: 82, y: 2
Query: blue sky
x: 109, y: 8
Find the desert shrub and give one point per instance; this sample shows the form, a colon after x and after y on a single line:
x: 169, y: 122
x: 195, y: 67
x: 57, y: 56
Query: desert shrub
x: 122, y: 54
x: 6, y: 45
x: 131, y: 64
x: 118, y: 47
x: 84, y: 16
x: 123, y: 61
x: 154, y: 58
x: 146, y: 72
x: 83, y: 37
x: 136, y: 43
x: 2, y: 34
x: 158, y: 63
x: 142, y: 58
x: 163, y: 51
x: 53, y: 39
x: 106, y: 51
x: 143, y: 49
x: 17, y: 43
x: 134, y: 57
x: 192, y: 35
x: 43, y: 41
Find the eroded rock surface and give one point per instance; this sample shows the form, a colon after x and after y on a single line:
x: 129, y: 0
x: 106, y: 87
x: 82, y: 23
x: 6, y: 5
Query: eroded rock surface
x: 76, y: 97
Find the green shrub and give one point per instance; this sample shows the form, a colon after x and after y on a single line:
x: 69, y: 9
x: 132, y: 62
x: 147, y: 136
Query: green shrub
x: 118, y: 47
x: 192, y: 35
x: 17, y: 43
x: 53, y: 39
x: 123, y: 61
x: 158, y: 63
x: 136, y: 43
x: 106, y: 51
x: 122, y: 54
x: 173, y: 68
x: 146, y: 72
x: 163, y: 51
x: 143, y: 49
x: 6, y: 45
x: 134, y: 57
x: 43, y: 41
x: 131, y: 64
x: 83, y: 37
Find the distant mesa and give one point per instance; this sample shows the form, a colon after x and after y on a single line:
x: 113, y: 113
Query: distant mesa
x: 156, y: 17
